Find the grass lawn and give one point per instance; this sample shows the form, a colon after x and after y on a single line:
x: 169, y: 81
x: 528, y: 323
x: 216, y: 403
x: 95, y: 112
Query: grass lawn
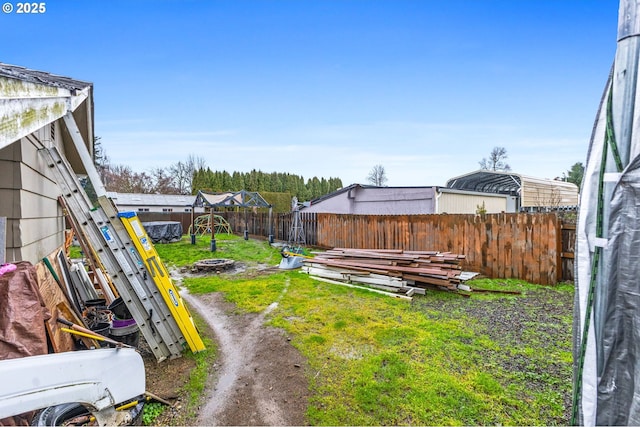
x: 441, y: 359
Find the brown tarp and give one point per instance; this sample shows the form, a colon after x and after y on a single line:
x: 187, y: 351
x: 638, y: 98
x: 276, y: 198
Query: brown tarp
x: 22, y: 314
x: 22, y: 322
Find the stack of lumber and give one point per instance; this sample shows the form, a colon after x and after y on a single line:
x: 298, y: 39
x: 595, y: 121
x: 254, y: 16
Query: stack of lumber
x: 390, y: 270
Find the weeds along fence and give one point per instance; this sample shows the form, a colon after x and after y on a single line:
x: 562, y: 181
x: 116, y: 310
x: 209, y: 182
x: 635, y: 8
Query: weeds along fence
x: 537, y: 247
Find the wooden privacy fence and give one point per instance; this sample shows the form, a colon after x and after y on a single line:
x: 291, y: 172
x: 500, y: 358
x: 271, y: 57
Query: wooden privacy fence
x: 520, y: 245
x: 257, y: 223
x: 536, y: 247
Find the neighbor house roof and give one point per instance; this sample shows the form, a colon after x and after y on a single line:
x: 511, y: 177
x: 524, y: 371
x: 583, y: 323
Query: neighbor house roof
x: 41, y: 77
x: 136, y: 199
x: 31, y: 100
x: 338, y: 192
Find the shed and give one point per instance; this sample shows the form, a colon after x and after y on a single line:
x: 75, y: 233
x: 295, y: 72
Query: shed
x: 140, y: 202
x: 530, y: 193
x: 38, y: 110
x: 371, y: 200
x: 470, y: 202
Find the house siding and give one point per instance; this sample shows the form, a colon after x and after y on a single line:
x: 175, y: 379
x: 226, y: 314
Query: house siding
x: 379, y: 201
x: 456, y: 203
x: 35, y: 224
x: 165, y: 203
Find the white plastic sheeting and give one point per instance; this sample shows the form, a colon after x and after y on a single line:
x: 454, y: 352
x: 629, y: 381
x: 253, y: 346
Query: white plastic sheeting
x: 607, y: 302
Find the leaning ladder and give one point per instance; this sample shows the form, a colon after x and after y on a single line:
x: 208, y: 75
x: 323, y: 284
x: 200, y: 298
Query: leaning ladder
x: 103, y: 230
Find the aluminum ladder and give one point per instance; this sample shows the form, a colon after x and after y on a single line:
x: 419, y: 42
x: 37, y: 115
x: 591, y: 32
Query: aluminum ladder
x: 103, y: 230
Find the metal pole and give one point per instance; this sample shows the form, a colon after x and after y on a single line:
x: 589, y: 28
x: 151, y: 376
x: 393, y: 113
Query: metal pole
x: 213, y: 230
x: 3, y: 239
x: 193, y: 225
x: 270, y: 224
x: 246, y: 225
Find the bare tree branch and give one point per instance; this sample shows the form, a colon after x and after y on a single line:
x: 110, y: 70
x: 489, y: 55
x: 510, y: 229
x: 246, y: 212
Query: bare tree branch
x: 378, y: 176
x: 496, y: 160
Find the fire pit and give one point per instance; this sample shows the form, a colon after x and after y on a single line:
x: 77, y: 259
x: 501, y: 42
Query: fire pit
x: 213, y: 265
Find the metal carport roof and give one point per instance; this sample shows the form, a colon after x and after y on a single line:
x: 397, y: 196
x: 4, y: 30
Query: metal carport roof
x: 488, y: 182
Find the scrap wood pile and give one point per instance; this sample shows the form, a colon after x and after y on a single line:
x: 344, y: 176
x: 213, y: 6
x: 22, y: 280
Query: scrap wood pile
x: 396, y: 271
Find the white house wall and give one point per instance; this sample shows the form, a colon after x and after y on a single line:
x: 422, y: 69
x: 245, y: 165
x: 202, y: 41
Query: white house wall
x: 455, y: 203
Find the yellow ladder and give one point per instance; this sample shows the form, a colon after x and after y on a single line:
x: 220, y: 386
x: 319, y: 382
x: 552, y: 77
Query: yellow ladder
x: 161, y: 278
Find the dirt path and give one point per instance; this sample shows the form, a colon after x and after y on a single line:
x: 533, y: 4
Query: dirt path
x: 259, y: 378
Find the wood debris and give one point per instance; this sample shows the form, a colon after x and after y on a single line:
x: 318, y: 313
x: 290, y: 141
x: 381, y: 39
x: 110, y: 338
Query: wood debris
x: 395, y: 271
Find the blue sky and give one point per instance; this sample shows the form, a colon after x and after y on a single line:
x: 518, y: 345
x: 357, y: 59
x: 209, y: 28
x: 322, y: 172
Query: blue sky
x: 331, y: 88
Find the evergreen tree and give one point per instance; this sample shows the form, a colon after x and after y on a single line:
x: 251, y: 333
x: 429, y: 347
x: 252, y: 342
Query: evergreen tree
x: 574, y: 174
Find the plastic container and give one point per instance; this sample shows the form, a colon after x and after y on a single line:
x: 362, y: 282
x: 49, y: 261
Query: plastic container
x: 125, y: 331
x: 119, y: 309
x: 98, y: 303
x: 102, y: 329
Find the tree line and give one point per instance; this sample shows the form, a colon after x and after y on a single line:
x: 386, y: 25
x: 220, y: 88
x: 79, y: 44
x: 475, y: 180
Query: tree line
x: 274, y: 182
x: 191, y: 175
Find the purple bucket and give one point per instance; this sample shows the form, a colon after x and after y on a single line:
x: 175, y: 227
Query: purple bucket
x: 126, y: 331
x: 119, y: 323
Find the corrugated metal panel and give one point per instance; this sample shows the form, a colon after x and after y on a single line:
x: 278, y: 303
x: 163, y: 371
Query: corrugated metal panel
x: 456, y: 203
x: 123, y: 200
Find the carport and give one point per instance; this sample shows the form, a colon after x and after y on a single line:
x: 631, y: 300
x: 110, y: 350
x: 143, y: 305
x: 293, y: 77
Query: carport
x: 529, y: 193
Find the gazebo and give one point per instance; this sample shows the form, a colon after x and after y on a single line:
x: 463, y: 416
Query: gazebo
x: 239, y: 199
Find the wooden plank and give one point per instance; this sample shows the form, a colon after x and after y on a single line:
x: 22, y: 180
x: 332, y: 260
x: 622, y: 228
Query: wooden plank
x: 371, y: 267
x: 527, y: 259
x: 502, y: 239
x: 369, y: 279
x: 517, y: 247
x: 430, y: 280
x: 59, y: 305
x: 548, y: 276
x: 490, y: 245
x: 508, y: 236
x: 404, y: 297
x: 554, y: 235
